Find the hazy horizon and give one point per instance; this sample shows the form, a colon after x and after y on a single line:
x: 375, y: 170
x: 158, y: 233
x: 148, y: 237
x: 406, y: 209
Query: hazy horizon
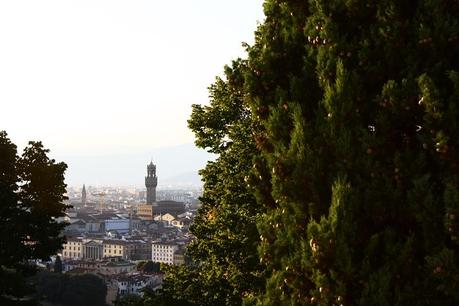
x: 129, y: 168
x: 94, y: 78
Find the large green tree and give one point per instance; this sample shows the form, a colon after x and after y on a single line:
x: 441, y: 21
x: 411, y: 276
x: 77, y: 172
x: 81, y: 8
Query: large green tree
x: 226, y: 264
x: 359, y: 107
x: 32, y: 192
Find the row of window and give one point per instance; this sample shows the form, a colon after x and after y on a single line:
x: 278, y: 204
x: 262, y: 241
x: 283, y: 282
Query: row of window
x: 110, y: 245
x: 78, y: 248
x: 163, y: 251
x: 109, y: 251
x: 162, y: 257
x: 70, y: 248
x: 72, y: 243
x: 114, y: 252
x: 159, y: 246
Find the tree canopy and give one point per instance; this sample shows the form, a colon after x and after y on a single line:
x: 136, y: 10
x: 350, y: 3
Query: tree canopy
x: 32, y: 192
x: 71, y: 289
x: 225, y: 265
x: 358, y: 103
x: 148, y: 266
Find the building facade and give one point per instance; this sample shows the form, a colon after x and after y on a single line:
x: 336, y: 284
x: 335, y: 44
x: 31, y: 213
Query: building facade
x: 163, y: 252
x: 115, y: 248
x: 93, y: 250
x: 145, y: 212
x: 72, y: 249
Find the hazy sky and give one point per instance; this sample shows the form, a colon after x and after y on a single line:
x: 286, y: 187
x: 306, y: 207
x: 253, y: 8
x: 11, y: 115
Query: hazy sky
x: 94, y: 76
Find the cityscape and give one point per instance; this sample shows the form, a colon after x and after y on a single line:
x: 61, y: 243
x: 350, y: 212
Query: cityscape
x: 240, y: 153
x: 111, y: 230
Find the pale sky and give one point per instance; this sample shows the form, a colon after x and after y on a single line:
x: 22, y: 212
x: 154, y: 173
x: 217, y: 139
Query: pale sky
x: 96, y: 77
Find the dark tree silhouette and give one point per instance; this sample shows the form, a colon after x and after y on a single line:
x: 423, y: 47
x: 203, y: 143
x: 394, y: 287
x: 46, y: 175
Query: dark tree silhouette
x: 58, y: 265
x: 149, y: 266
x: 71, y: 290
x: 32, y: 192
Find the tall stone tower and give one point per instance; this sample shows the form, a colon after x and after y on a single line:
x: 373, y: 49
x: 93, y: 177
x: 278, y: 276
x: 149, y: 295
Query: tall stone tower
x: 151, y: 181
x: 83, y: 196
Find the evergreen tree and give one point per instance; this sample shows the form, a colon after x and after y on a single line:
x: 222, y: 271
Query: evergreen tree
x: 359, y: 107
x: 226, y: 264
x: 31, y: 198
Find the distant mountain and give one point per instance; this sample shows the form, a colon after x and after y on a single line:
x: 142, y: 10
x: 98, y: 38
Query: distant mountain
x: 175, y: 165
x: 183, y: 179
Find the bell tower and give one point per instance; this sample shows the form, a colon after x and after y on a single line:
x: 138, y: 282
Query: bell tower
x: 151, y: 181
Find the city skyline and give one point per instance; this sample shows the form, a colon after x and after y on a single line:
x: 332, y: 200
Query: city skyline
x: 128, y: 169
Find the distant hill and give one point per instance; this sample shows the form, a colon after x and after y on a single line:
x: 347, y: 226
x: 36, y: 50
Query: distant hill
x: 175, y: 165
x: 191, y: 178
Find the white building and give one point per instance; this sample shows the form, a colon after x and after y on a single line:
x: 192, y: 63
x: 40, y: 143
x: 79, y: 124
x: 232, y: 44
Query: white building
x: 133, y: 284
x: 163, y: 252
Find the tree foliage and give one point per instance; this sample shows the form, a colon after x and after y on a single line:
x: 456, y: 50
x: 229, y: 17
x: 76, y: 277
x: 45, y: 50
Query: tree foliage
x: 148, y: 266
x: 226, y: 265
x: 130, y: 300
x: 71, y: 290
x: 358, y: 103
x: 32, y: 192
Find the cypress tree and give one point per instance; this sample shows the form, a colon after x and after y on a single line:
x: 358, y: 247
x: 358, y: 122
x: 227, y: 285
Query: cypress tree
x: 358, y: 106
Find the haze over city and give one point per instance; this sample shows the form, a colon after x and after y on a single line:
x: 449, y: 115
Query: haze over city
x: 108, y: 85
